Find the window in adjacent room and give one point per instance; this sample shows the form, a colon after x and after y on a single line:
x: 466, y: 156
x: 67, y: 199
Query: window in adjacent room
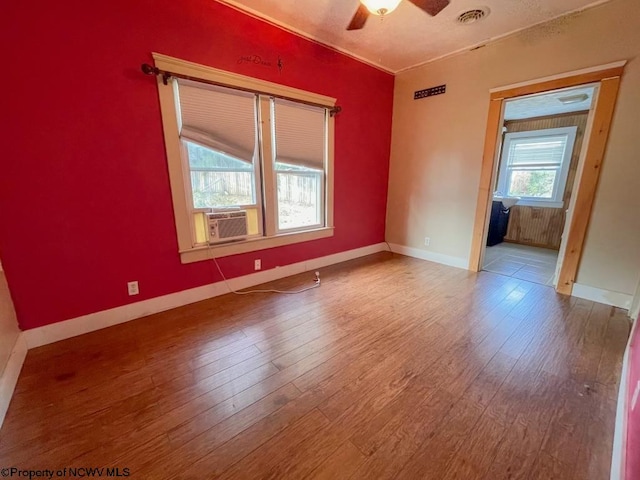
x: 236, y: 148
x: 535, y: 165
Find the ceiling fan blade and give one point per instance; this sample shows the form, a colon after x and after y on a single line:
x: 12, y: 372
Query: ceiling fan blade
x: 359, y: 18
x: 432, y: 7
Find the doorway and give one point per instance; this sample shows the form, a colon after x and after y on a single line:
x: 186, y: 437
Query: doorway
x: 539, y: 155
x: 607, y: 79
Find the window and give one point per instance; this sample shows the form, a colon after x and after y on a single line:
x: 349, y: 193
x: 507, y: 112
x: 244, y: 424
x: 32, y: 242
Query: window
x: 535, y: 164
x: 218, y: 139
x: 299, y: 163
x: 229, y: 148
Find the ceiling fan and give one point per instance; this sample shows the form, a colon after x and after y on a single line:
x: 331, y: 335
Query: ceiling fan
x: 384, y: 7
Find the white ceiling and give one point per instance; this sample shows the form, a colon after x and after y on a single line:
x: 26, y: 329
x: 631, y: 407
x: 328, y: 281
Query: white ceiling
x: 406, y: 37
x: 547, y: 104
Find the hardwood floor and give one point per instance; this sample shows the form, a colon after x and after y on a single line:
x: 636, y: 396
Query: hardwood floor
x: 393, y: 368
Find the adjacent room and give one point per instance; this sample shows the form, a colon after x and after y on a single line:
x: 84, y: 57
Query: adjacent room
x: 299, y: 239
x: 541, y: 146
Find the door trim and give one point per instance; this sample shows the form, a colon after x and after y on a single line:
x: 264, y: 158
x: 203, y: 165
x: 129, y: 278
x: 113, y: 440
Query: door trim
x: 609, y: 81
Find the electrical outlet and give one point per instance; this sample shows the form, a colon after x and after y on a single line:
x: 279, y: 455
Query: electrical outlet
x: 427, y: 241
x: 257, y: 264
x: 132, y: 287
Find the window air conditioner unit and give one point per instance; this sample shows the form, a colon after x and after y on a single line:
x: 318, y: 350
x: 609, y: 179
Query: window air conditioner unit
x: 227, y: 226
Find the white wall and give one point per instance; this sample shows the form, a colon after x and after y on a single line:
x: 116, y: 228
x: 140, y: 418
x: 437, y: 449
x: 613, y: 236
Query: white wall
x: 437, y: 142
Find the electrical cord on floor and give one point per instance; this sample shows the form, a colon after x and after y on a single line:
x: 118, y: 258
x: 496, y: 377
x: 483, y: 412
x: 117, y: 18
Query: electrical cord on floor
x: 269, y: 290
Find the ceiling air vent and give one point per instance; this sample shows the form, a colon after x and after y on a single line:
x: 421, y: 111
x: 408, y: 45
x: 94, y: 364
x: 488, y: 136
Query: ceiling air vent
x: 472, y: 16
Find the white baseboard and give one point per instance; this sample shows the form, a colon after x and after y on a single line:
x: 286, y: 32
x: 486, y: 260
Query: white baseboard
x: 9, y: 377
x: 458, y: 262
x: 634, y: 310
x: 600, y: 295
x: 37, y: 337
x: 618, y: 454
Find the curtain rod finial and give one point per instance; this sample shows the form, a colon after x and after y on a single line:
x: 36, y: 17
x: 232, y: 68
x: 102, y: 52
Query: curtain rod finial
x: 149, y: 70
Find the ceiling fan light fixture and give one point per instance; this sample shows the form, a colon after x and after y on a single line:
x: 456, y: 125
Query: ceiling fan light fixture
x: 380, y: 7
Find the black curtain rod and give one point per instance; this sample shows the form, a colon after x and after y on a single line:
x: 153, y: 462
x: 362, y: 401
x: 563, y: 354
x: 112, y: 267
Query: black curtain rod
x: 166, y: 75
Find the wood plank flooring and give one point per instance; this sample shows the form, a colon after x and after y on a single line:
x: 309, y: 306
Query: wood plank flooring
x: 392, y: 368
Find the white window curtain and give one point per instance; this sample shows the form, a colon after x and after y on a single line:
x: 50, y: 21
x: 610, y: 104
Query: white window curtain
x: 547, y: 151
x: 300, y: 134
x: 218, y: 117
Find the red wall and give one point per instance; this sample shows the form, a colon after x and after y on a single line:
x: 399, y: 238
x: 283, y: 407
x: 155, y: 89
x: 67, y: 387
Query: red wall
x: 632, y: 443
x: 84, y: 191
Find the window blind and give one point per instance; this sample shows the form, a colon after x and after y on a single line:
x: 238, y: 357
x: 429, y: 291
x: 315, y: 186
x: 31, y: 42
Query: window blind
x: 220, y: 118
x: 538, y: 151
x: 300, y: 134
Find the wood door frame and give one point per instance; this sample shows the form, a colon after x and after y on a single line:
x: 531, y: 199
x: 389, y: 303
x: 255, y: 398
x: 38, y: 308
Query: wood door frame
x: 608, y: 80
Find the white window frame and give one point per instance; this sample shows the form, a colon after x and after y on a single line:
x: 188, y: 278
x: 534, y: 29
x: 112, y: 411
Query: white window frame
x: 321, y: 193
x: 179, y: 176
x: 556, y: 201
